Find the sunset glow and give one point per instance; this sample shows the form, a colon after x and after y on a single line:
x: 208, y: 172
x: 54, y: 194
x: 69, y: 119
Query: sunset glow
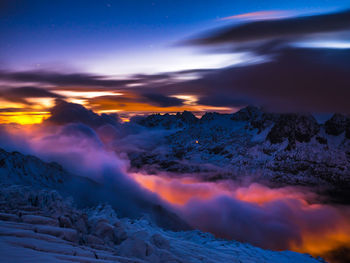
x: 23, y: 117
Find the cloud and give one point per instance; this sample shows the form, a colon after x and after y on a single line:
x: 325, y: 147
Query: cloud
x: 293, y: 79
x: 221, y: 99
x: 161, y: 100
x: 288, y: 28
x: 80, y: 130
x: 64, y: 112
x: 272, y: 218
x: 260, y: 15
x: 81, y: 151
x: 21, y: 94
x: 285, y: 79
x: 273, y: 225
x: 17, y: 110
x: 57, y: 78
x: 97, y: 91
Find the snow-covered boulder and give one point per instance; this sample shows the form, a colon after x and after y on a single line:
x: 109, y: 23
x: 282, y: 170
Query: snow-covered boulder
x: 39, y: 220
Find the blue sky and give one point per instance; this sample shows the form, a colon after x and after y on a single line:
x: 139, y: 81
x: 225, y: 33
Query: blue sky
x: 119, y: 37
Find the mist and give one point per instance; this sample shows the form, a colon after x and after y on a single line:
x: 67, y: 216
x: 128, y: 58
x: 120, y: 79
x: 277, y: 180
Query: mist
x: 98, y: 174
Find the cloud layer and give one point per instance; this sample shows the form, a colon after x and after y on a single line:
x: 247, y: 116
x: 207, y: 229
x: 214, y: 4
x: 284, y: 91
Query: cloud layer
x: 292, y: 79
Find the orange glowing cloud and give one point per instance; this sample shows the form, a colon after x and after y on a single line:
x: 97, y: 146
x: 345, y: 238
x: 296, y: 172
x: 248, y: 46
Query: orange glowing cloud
x: 317, y: 238
x: 139, y: 94
x: 132, y: 103
x: 177, y: 191
x: 181, y: 190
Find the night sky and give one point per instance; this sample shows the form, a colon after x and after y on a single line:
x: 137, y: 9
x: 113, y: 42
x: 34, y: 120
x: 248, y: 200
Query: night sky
x: 135, y: 57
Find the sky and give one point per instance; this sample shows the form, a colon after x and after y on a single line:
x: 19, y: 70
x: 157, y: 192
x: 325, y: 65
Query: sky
x: 136, y: 57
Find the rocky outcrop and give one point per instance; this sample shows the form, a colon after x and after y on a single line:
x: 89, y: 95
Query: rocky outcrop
x: 247, y: 114
x: 256, y: 117
x: 167, y: 121
x: 293, y: 127
x: 187, y: 117
x: 337, y: 125
x: 211, y: 116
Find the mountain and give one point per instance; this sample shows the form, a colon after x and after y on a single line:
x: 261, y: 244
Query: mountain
x: 16, y: 168
x: 39, y: 224
x: 275, y: 148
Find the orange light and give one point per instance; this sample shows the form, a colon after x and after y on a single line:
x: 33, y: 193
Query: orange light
x: 179, y: 191
x: 23, y: 118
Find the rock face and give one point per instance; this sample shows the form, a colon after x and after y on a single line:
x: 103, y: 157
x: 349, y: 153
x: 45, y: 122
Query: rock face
x: 256, y: 117
x: 29, y: 232
x: 247, y: 114
x: 187, y: 117
x: 293, y: 127
x: 337, y: 125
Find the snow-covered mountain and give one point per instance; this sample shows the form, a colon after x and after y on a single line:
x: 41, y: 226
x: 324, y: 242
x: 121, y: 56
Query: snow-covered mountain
x: 16, y: 168
x: 37, y: 224
x: 283, y: 149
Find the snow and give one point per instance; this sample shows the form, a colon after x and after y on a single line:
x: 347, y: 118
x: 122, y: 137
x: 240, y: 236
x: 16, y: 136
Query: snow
x: 41, y: 220
x: 107, y: 238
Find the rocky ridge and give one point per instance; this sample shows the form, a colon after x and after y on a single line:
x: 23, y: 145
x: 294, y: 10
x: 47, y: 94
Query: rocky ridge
x: 287, y: 149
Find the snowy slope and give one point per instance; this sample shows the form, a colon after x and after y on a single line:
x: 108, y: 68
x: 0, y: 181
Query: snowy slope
x: 25, y: 169
x: 41, y: 226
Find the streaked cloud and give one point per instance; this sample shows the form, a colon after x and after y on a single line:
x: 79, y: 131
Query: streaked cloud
x: 281, y: 30
x: 24, y: 94
x: 325, y: 44
x: 259, y: 15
